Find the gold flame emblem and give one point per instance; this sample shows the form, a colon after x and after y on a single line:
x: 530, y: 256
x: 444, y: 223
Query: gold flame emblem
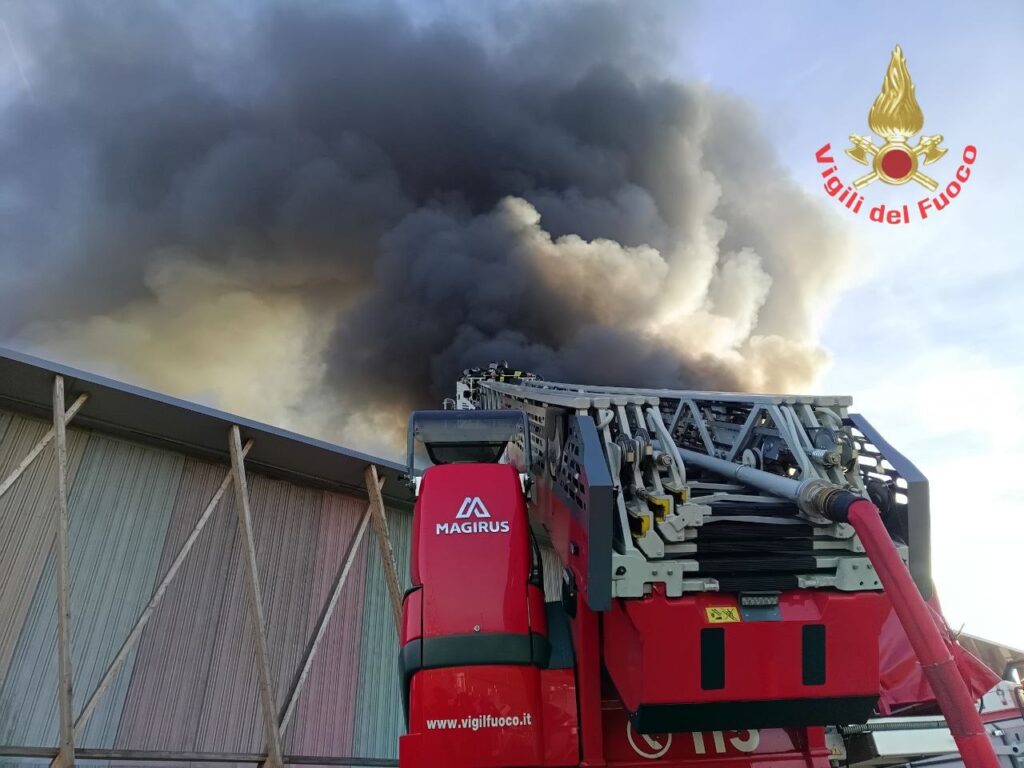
x: 896, y: 116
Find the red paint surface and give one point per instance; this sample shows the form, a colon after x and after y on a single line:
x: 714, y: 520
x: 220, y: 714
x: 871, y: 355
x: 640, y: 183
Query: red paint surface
x: 475, y: 581
x: 634, y: 649
x: 412, y: 616
x: 568, y: 538
x: 560, y: 718
x: 897, y: 163
x: 586, y: 641
x: 490, y: 716
x: 904, y: 683
x: 725, y: 749
x: 472, y: 581
x: 504, y: 715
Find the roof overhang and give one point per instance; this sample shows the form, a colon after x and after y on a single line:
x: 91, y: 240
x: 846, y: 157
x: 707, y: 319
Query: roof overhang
x: 124, y: 410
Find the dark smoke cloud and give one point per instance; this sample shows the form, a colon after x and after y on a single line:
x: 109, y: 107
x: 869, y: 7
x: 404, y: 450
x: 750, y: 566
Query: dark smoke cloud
x: 322, y: 213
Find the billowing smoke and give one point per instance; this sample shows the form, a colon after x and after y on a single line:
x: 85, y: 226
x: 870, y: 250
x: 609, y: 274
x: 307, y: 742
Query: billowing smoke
x: 319, y: 214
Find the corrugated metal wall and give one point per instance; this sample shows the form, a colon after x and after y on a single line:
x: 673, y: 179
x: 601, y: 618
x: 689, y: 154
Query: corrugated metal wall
x: 379, y: 717
x: 190, y: 684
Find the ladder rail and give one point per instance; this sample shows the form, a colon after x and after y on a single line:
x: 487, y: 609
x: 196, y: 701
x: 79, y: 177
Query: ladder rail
x: 660, y: 508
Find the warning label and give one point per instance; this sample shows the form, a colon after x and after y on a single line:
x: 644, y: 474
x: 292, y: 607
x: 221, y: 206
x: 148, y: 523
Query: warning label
x: 722, y: 615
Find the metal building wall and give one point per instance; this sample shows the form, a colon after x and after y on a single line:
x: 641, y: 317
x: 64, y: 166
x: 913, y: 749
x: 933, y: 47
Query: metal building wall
x: 27, y: 514
x: 190, y: 684
x: 379, y: 717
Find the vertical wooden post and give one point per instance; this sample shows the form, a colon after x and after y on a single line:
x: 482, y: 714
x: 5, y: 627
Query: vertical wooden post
x: 252, y: 588
x: 66, y: 756
x: 387, y: 554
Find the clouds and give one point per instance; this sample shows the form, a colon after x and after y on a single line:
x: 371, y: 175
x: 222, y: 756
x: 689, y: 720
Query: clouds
x: 363, y: 205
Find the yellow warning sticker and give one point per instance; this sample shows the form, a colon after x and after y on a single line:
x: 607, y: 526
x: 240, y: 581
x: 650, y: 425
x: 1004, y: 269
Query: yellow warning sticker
x: 722, y: 615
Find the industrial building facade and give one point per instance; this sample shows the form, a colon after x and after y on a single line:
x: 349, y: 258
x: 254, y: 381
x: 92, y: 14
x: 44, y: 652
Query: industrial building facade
x: 142, y: 470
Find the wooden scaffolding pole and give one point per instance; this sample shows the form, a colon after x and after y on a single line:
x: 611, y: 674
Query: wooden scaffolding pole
x: 387, y: 554
x: 252, y: 589
x: 66, y: 756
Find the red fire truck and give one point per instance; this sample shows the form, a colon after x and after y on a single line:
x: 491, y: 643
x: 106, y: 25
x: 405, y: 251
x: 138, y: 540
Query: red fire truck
x: 727, y: 567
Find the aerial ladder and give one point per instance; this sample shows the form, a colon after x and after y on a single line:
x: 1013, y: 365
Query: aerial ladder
x: 728, y: 562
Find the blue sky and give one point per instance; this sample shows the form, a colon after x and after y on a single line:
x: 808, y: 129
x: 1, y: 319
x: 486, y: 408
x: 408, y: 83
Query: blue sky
x: 930, y: 342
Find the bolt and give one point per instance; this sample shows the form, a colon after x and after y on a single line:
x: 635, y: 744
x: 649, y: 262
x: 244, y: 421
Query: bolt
x: 476, y: 628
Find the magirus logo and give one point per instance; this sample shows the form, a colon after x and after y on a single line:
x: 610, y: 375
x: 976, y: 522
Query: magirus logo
x: 472, y: 506
x: 481, y: 522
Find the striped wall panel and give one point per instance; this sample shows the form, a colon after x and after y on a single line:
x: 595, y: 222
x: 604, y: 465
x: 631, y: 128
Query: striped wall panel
x: 27, y: 528
x: 190, y: 683
x: 197, y: 651
x: 324, y: 720
x: 120, y: 504
x: 379, y: 717
x: 172, y: 671
x: 285, y: 521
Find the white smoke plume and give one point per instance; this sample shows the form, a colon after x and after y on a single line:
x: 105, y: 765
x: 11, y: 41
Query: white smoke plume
x: 317, y: 215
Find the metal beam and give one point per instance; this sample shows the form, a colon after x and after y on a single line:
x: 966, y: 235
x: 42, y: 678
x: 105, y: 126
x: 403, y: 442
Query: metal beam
x: 154, y: 601
x: 675, y: 417
x: 66, y: 755
x: 325, y: 617
x: 740, y: 440
x: 252, y: 584
x: 39, y: 446
x: 698, y: 419
x: 387, y: 554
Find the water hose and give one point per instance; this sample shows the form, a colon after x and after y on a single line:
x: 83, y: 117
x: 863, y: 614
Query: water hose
x: 822, y: 501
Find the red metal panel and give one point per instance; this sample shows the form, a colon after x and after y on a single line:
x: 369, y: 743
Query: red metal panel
x: 474, y: 716
x: 560, y: 718
x: 635, y: 632
x: 903, y: 682
x: 412, y: 616
x: 472, y: 515
x: 776, y: 747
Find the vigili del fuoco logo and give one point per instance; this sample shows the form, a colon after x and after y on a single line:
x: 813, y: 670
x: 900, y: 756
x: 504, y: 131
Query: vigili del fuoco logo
x: 896, y: 118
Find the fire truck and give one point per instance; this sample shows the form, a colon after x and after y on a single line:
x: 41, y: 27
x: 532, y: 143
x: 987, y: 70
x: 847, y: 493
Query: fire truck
x: 744, y: 579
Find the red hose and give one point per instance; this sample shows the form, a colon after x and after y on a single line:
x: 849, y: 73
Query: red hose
x: 951, y: 692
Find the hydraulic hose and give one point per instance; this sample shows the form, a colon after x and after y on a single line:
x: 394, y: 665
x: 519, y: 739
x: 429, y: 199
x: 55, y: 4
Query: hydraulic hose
x: 820, y: 500
x: 955, y: 701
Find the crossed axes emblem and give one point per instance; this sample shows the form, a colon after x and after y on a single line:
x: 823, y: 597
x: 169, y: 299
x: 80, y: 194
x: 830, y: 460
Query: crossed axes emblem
x: 927, y: 147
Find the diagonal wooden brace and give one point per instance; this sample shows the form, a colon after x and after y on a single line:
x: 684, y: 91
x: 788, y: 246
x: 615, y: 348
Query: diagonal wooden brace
x: 387, y: 554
